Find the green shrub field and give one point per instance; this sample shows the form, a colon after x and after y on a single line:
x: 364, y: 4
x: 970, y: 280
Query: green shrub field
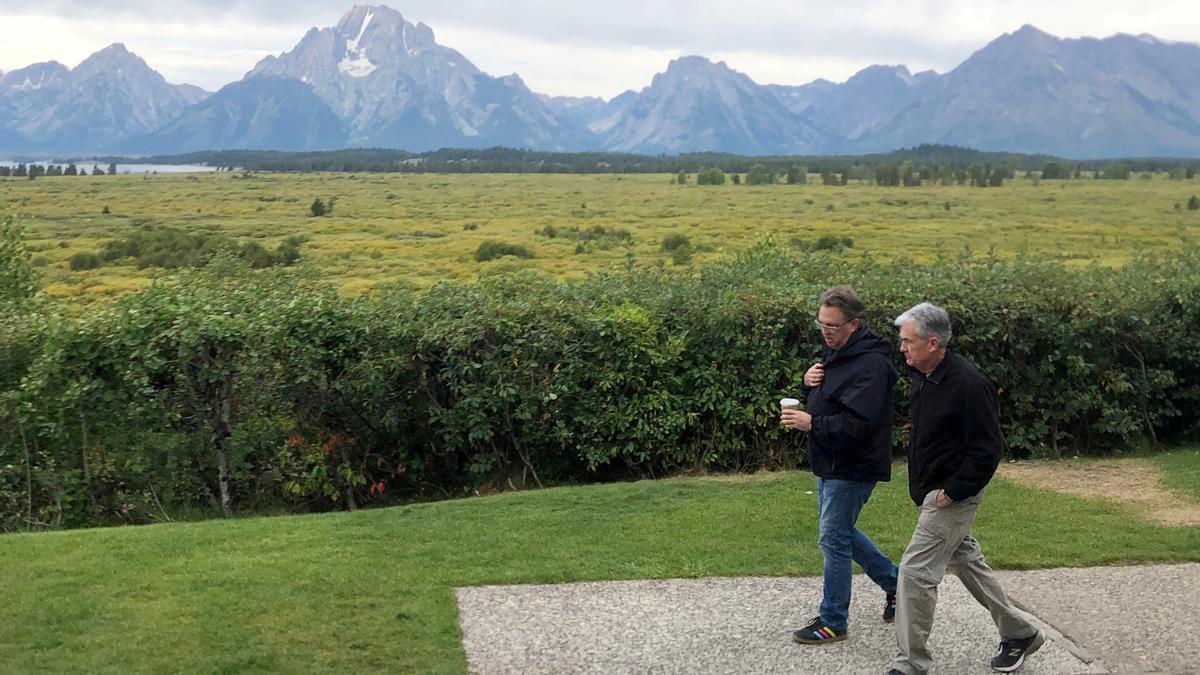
x: 419, y: 229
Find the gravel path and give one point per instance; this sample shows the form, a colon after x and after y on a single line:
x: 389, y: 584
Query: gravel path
x: 1136, y: 619
x: 743, y: 625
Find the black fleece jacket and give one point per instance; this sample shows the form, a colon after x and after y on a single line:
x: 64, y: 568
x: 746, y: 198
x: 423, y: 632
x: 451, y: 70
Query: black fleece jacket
x: 851, y: 437
x: 955, y: 443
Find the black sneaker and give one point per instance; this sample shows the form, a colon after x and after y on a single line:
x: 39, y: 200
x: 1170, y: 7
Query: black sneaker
x: 1011, y: 653
x: 889, y: 608
x: 818, y: 632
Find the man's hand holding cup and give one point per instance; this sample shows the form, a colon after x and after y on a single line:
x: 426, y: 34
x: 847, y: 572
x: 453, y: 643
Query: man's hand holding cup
x: 791, y: 417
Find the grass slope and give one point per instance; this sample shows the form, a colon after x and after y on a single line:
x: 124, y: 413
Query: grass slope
x: 373, y: 590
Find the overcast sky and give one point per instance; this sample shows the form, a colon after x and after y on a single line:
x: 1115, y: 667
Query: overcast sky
x: 577, y: 48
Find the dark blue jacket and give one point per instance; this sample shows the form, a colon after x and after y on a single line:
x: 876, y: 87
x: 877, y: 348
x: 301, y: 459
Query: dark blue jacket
x: 851, y: 437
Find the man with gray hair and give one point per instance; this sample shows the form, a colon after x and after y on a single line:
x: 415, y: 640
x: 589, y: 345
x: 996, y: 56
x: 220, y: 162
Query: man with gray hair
x: 955, y: 445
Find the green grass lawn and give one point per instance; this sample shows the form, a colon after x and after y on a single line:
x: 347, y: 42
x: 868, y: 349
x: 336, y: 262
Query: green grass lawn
x: 1182, y: 469
x: 373, y: 590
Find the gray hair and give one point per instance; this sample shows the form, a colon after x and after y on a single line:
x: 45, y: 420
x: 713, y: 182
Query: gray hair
x: 930, y: 320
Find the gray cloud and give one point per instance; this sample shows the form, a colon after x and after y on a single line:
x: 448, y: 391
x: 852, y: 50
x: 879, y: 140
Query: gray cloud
x: 918, y: 33
x: 837, y: 29
x: 860, y: 28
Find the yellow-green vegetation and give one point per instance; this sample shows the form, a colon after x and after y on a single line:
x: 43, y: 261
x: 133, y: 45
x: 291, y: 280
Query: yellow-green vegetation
x: 372, y: 591
x: 417, y: 229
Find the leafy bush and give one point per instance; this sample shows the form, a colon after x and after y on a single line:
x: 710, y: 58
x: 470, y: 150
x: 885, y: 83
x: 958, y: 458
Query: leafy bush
x: 1118, y: 171
x: 675, y: 241
x: 831, y: 242
x: 606, y: 237
x: 84, y: 260
x: 1055, y: 171
x: 710, y: 176
x: 826, y: 242
x: 1194, y: 203
x: 17, y: 278
x: 224, y: 390
x: 491, y: 250
x: 171, y: 248
x: 759, y: 175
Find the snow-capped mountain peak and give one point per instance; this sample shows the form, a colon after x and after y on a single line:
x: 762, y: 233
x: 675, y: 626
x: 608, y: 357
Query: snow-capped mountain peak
x: 393, y: 84
x: 356, y: 63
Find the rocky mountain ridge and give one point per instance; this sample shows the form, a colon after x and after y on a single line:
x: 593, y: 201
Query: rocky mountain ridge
x: 377, y: 80
x: 109, y: 97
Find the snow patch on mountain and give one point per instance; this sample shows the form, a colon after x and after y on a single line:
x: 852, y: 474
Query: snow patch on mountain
x: 404, y: 42
x: 27, y: 85
x: 466, y: 128
x: 355, y: 63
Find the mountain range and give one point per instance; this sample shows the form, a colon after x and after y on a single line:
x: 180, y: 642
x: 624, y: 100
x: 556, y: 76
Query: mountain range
x: 377, y: 80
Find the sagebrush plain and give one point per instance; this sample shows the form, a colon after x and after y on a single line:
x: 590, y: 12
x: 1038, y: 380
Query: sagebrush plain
x: 418, y: 229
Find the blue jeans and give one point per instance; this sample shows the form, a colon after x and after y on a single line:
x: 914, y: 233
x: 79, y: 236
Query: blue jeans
x: 841, y: 542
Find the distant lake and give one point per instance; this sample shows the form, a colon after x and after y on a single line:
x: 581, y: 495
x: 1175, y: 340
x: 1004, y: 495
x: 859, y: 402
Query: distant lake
x: 123, y: 168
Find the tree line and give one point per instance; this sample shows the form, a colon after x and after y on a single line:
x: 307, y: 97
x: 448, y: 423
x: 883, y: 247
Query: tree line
x: 32, y: 171
x: 924, y: 164
x: 911, y: 174
x: 509, y: 160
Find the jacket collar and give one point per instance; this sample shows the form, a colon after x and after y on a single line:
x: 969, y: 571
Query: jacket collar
x: 942, y: 368
x: 835, y: 354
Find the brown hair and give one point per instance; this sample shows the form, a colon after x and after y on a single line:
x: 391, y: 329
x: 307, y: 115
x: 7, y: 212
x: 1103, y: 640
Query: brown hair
x: 844, y: 298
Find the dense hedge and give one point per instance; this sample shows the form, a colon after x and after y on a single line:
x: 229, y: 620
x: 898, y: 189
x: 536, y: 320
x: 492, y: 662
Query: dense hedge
x: 225, y: 389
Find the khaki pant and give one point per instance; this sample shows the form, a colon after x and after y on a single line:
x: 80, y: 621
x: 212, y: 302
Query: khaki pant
x: 942, y: 542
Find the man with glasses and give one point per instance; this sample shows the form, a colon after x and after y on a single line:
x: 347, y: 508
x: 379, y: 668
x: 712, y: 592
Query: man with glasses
x: 849, y: 425
x: 954, y: 447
